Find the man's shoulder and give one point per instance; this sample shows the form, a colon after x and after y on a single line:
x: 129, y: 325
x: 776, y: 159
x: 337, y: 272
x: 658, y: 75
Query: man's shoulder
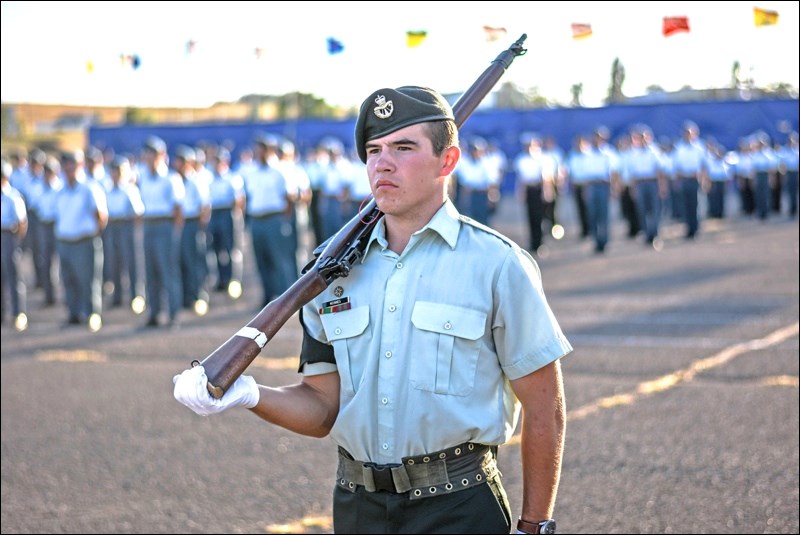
x: 486, y: 233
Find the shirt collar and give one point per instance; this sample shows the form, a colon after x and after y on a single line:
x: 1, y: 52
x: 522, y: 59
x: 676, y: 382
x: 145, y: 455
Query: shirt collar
x: 445, y: 222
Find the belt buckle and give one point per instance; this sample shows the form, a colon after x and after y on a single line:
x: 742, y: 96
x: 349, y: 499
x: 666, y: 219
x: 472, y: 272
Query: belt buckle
x: 382, y: 476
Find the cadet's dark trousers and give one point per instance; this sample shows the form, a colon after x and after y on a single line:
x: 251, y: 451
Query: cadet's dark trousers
x: 480, y: 509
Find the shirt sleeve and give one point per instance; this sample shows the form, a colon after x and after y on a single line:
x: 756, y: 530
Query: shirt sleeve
x: 526, y: 332
x: 316, y: 357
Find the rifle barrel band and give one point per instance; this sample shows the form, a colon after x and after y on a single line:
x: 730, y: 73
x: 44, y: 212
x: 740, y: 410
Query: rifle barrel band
x: 254, y: 334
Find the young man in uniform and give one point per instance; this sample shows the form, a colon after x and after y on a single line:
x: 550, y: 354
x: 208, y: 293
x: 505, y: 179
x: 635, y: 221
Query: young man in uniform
x: 416, y: 374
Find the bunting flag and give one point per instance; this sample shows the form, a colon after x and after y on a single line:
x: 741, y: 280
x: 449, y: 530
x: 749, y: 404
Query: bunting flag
x: 334, y: 46
x: 764, y: 17
x: 89, y: 67
x: 415, y: 38
x: 130, y: 60
x: 259, y: 52
x: 674, y: 25
x: 494, y: 33
x: 191, y: 44
x: 581, y: 31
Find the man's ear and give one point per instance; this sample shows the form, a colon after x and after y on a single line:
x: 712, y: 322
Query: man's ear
x: 451, y: 157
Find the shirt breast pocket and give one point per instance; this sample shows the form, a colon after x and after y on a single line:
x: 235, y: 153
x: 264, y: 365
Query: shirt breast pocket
x: 346, y: 331
x: 449, y: 346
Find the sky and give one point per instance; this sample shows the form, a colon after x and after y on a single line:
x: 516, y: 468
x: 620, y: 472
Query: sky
x: 47, y: 46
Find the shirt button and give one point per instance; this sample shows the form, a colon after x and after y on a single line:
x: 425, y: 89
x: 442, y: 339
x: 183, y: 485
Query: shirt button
x: 385, y: 401
x: 448, y: 326
x: 337, y: 331
x: 399, y: 265
x: 392, y: 308
x: 388, y: 354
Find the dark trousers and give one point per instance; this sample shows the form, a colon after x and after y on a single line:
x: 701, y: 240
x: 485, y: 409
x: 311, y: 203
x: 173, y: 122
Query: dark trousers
x: 747, y: 195
x: 580, y: 204
x: 791, y: 191
x: 534, y: 207
x: 480, y: 509
x: 220, y: 234
x: 630, y: 212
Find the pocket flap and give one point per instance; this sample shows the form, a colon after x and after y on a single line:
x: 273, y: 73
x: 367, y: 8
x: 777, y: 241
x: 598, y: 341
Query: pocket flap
x: 345, y: 324
x: 448, y: 319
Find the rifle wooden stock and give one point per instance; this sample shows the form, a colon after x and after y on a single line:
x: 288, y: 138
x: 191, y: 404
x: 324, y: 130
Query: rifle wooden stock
x: 232, y: 358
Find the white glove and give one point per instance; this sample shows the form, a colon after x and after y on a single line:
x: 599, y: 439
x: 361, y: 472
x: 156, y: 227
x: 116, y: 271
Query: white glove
x: 191, y: 390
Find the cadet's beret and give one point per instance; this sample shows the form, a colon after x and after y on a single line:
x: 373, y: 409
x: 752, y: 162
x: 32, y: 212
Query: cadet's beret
x: 119, y: 162
x: 332, y: 144
x: 155, y: 144
x: 38, y: 156
x: 52, y: 165
x: 267, y: 140
x: 186, y: 153
x: 388, y: 110
x: 94, y: 154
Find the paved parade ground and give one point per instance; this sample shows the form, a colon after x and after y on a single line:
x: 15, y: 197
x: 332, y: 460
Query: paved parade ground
x: 682, y: 398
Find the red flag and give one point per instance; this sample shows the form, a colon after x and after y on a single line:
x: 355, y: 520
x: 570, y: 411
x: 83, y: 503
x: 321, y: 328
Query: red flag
x: 581, y: 30
x: 674, y: 25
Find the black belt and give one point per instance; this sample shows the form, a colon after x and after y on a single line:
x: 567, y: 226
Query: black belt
x: 266, y: 215
x: 73, y: 241
x: 422, y: 476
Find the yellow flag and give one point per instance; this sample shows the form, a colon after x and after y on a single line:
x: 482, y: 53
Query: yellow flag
x: 764, y: 17
x: 415, y: 38
x: 90, y: 67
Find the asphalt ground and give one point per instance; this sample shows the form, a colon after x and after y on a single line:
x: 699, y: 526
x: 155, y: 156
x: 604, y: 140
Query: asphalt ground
x: 682, y: 398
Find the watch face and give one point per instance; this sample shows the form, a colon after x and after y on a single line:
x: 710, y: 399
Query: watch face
x: 548, y: 527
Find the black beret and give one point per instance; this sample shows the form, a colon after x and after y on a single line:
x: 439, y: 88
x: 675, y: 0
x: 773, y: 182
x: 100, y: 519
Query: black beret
x: 388, y: 110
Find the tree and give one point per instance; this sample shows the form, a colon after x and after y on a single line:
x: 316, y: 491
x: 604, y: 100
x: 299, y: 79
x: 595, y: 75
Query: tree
x: 615, y: 93
x: 577, y: 93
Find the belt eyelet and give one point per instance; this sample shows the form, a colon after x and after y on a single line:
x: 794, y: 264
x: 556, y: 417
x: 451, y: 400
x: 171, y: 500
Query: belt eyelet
x: 465, y: 481
x: 479, y: 477
x: 458, y: 451
x: 471, y: 447
x: 448, y: 486
x: 417, y: 492
x: 426, y: 459
x: 351, y: 485
x: 432, y: 490
x: 411, y: 461
x: 342, y: 481
x: 442, y: 455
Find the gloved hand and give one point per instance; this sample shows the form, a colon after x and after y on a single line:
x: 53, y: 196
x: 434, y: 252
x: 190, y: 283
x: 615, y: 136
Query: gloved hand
x: 191, y: 390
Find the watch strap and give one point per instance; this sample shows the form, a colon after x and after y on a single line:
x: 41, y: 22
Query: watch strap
x: 530, y: 527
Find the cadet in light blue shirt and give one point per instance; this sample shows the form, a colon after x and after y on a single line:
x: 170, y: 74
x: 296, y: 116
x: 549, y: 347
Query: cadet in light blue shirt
x: 162, y: 194
x: 14, y: 224
x: 81, y: 217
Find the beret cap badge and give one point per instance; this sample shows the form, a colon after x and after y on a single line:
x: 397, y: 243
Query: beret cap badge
x: 384, y: 109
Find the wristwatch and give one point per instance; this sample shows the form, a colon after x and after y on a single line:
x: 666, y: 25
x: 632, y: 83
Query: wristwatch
x: 545, y: 526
